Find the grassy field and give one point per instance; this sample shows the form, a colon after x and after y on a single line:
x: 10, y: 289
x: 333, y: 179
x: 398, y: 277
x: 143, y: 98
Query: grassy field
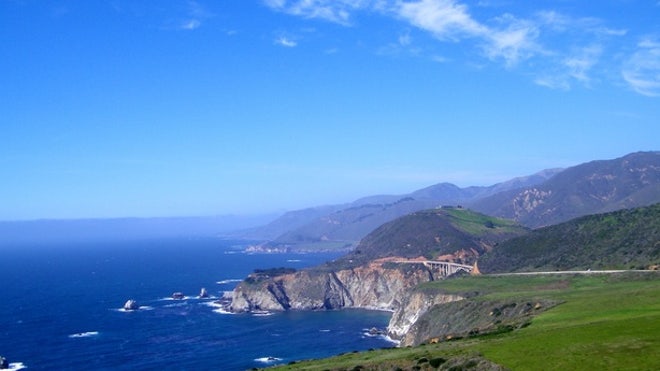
x: 606, y: 322
x: 478, y: 224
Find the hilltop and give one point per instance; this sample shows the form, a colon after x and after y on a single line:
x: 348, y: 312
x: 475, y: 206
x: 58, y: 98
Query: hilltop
x: 625, y: 239
x: 373, y: 275
x: 451, y: 234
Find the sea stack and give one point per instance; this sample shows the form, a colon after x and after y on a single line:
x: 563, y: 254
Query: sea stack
x: 203, y: 293
x: 131, y: 305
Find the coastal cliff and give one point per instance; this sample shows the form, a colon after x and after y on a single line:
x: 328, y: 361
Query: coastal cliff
x: 381, y: 285
x: 466, y: 318
x: 384, y: 284
x: 380, y: 273
x: 415, y: 305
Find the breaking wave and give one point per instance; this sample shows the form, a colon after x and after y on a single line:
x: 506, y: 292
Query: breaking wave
x: 268, y: 359
x: 84, y: 334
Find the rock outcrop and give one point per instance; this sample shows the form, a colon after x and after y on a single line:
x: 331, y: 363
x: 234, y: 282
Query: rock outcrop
x: 415, y: 305
x: 382, y: 285
x: 379, y: 285
x: 131, y: 305
x: 467, y: 318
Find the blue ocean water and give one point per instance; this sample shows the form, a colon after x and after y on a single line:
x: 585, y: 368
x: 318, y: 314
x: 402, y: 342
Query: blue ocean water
x: 61, y: 309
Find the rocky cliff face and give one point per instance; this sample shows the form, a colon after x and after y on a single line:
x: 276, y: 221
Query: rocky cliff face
x: 378, y: 285
x: 382, y: 285
x: 470, y: 317
x: 589, y: 188
x: 414, y: 306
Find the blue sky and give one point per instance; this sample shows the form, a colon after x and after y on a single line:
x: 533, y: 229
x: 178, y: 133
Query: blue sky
x: 178, y: 108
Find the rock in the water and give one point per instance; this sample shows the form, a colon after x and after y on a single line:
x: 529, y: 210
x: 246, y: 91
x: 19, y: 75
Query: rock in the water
x: 178, y: 295
x: 374, y: 331
x: 131, y: 305
x: 203, y: 293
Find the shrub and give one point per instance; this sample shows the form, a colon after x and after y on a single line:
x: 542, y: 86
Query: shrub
x: 436, y: 362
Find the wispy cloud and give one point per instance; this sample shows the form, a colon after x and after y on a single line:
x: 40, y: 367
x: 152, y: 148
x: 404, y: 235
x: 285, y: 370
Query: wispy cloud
x: 642, y: 69
x: 284, y: 41
x: 449, y: 20
x: 190, y: 24
x: 405, y: 39
x: 515, y: 41
x: 445, y: 19
x: 196, y: 14
x: 403, y: 45
x: 580, y: 63
x: 556, y: 50
x: 575, y: 66
x: 338, y: 11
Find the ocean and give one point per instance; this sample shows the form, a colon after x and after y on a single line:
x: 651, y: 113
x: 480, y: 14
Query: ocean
x: 61, y: 308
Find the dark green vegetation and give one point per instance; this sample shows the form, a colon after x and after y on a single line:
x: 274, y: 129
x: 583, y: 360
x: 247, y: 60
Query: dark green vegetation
x: 605, y: 322
x: 433, y: 234
x: 264, y: 274
x: 590, y: 188
x: 480, y: 225
x: 475, y: 317
x: 626, y: 239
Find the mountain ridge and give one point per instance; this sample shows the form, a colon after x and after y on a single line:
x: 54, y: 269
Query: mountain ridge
x: 349, y: 223
x: 589, y: 188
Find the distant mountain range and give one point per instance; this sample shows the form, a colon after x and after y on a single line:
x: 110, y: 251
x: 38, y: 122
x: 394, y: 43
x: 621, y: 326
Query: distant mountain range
x: 590, y: 188
x: 351, y: 222
x: 545, y: 198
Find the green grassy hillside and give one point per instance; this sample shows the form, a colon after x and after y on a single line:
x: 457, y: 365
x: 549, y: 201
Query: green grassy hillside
x: 605, y: 322
x: 626, y: 239
x: 433, y: 234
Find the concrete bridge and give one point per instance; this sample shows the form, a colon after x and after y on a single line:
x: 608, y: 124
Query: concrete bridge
x: 444, y: 268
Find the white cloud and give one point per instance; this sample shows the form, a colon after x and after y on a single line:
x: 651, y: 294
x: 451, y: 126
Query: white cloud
x: 514, y: 43
x: 562, y: 23
x: 198, y: 11
x: 445, y: 19
x: 513, y: 40
x: 579, y: 64
x: 190, y: 24
x: 405, y: 39
x: 337, y: 11
x: 566, y: 69
x: 553, y: 82
x: 284, y: 41
x: 554, y: 20
x: 196, y: 14
x: 642, y: 69
x: 555, y: 49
